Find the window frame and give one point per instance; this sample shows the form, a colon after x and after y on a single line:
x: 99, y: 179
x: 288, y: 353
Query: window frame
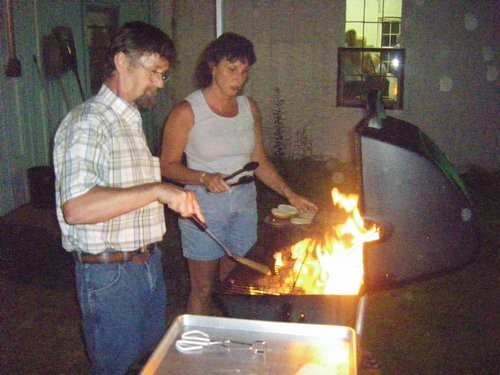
x: 97, y: 39
x: 345, y: 99
x: 391, y: 35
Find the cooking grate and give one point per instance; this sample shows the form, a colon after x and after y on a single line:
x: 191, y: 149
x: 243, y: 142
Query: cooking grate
x: 247, y: 281
x: 246, y: 294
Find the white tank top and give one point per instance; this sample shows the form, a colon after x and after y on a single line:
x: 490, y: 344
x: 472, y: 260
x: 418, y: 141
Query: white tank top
x: 217, y: 143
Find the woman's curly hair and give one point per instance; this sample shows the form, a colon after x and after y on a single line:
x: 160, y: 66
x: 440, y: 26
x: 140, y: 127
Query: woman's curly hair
x: 230, y: 46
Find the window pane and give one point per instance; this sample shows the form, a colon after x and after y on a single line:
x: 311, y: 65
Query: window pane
x: 392, y: 8
x: 100, y: 22
x: 394, y: 62
x: 372, y: 34
x: 375, y: 24
x: 358, y: 27
x: 360, y: 72
x: 354, y: 11
x: 372, y: 11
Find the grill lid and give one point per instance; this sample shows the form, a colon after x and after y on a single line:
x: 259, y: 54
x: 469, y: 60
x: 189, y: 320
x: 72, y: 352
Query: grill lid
x: 408, y: 185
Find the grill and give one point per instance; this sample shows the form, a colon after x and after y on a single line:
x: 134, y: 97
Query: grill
x: 246, y: 294
x: 408, y: 186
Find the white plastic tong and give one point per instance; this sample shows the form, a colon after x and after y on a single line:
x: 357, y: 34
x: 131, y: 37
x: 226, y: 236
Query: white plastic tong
x: 196, y: 340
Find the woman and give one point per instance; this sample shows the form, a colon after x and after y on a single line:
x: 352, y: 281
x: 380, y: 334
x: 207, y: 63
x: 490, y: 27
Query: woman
x: 220, y: 131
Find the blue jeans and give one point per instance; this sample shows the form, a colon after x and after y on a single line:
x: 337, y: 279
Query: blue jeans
x: 123, y: 311
x: 231, y: 216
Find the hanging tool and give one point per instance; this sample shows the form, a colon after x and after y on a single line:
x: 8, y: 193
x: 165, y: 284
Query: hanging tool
x: 13, y: 64
x: 52, y: 64
x: 45, y: 91
x: 64, y: 36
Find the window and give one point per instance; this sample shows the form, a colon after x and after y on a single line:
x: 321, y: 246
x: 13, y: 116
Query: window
x: 390, y: 33
x: 371, y: 58
x: 363, y: 69
x: 100, y: 22
x: 377, y: 23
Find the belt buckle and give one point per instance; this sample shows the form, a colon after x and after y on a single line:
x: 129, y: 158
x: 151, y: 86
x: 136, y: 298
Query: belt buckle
x: 142, y: 256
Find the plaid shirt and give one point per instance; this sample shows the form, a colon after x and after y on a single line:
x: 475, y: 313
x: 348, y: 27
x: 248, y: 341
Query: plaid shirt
x: 101, y: 143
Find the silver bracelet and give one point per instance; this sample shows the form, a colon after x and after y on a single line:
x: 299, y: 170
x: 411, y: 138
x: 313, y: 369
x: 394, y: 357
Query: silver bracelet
x: 201, y: 177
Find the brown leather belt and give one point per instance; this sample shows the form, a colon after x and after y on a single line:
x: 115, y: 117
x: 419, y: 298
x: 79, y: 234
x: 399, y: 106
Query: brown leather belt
x: 138, y: 256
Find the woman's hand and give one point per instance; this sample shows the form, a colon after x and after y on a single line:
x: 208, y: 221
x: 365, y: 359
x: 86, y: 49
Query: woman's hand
x: 214, y: 182
x: 302, y: 203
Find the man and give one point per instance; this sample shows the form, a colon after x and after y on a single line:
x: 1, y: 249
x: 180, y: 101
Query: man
x: 110, y: 202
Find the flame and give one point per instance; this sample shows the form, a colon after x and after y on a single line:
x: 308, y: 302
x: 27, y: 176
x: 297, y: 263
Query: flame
x: 278, y: 259
x: 334, y: 266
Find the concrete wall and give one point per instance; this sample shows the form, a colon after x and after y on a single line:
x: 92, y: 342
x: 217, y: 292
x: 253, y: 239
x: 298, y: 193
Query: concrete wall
x: 451, y: 83
x: 447, y: 41
x: 296, y: 45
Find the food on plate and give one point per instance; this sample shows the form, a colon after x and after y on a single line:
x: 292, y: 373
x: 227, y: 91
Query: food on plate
x: 300, y: 220
x: 284, y: 211
x: 303, y: 218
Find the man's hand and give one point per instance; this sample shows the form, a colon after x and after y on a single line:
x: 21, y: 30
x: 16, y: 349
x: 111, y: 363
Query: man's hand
x: 104, y: 203
x: 180, y: 200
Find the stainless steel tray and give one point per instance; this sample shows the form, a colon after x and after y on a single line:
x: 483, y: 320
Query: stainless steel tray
x: 292, y: 349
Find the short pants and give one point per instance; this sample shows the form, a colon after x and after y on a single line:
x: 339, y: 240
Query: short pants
x: 230, y: 216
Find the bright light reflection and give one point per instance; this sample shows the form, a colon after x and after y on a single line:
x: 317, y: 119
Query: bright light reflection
x: 323, y: 357
x: 395, y: 63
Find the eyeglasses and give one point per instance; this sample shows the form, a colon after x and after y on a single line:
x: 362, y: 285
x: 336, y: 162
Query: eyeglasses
x: 156, y: 75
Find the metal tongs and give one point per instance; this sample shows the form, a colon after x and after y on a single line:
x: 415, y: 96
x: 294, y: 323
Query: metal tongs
x: 253, y: 165
x: 262, y: 268
x: 246, y: 179
x: 242, y: 180
x: 196, y: 340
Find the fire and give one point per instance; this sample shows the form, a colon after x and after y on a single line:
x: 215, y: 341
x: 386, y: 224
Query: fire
x: 334, y: 266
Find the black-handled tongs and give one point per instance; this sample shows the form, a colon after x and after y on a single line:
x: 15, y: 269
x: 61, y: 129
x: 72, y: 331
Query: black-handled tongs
x: 246, y: 168
x: 243, y: 180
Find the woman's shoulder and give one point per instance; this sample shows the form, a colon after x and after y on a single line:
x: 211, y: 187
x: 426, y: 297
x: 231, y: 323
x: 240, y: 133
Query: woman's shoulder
x: 248, y: 101
x: 183, y: 107
x: 245, y: 99
x: 194, y: 96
